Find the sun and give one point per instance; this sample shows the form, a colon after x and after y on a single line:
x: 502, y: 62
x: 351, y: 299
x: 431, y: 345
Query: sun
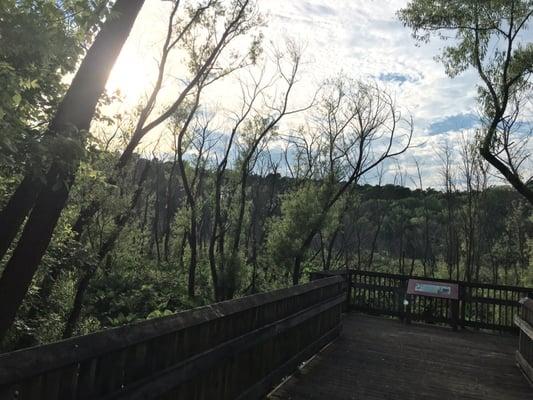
x: 131, y: 76
x: 136, y: 68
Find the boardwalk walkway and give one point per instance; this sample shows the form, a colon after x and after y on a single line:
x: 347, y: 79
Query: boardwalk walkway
x: 381, y: 359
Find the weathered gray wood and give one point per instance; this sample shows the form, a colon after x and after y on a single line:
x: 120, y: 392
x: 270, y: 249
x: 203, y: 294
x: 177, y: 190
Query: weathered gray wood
x: 264, y: 386
x: 32, y: 388
x: 487, y: 300
x: 68, y: 383
x: 525, y: 367
x: 527, y: 303
x: 7, y: 392
x: 52, y: 382
x: 379, y: 358
x: 182, y: 355
x: 87, y: 375
x: 28, y: 362
x: 165, y: 381
x: 524, y: 326
x: 480, y: 305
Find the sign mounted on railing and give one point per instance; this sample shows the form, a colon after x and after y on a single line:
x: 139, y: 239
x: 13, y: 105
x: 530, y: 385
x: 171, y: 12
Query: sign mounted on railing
x: 443, y: 290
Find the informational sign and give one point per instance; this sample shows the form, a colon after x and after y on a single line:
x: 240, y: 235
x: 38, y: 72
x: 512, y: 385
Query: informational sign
x: 442, y: 290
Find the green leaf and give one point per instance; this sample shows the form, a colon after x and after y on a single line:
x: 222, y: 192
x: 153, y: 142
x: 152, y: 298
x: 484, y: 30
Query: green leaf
x: 16, y: 99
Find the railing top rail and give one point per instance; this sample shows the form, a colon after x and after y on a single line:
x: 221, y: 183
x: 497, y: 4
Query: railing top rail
x: 340, y: 272
x: 523, y: 289
x: 35, y: 360
x: 467, y: 284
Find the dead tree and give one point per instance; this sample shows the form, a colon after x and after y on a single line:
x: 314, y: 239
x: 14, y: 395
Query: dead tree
x: 352, y: 119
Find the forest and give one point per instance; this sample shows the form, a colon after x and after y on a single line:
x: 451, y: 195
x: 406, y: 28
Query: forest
x: 113, y: 213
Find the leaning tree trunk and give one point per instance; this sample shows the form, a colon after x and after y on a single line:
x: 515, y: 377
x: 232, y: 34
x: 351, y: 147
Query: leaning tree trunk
x: 72, y: 118
x: 17, y: 209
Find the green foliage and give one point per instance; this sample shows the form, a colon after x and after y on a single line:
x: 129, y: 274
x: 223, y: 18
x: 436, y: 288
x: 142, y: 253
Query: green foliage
x: 137, y: 281
x: 145, y: 272
x: 299, y: 211
x: 40, y: 43
x: 477, y: 26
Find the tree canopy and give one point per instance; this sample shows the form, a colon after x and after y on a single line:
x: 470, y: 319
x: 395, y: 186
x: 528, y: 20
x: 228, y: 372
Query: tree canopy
x: 490, y: 37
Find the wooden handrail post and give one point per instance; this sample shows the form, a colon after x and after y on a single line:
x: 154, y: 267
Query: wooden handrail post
x: 349, y: 289
x: 455, y: 314
x: 407, y: 305
x: 400, y: 292
x: 462, y: 310
x: 524, y: 321
x: 404, y: 302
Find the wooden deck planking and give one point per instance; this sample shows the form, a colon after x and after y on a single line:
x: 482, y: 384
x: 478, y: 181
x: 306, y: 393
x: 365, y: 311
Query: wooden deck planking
x: 380, y: 358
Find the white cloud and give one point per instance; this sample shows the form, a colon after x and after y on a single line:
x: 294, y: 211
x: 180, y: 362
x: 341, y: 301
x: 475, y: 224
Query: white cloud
x: 361, y: 38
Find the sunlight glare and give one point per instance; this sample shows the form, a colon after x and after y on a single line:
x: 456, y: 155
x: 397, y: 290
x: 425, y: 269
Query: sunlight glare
x: 131, y: 76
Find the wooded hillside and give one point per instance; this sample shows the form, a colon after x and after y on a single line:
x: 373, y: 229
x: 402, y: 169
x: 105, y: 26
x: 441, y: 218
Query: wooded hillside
x: 113, y: 212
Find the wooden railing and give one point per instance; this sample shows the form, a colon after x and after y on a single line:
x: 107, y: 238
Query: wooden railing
x: 524, y: 321
x: 234, y: 349
x: 480, y: 305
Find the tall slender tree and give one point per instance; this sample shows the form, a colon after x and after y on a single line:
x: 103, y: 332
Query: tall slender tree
x: 490, y: 38
x: 32, y: 67
x: 70, y: 124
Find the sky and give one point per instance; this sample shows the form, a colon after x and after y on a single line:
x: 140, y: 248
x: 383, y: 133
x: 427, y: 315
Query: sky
x: 365, y: 38
x: 360, y: 38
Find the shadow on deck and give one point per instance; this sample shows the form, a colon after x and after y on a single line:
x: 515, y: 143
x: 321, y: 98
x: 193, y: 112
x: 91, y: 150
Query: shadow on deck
x: 380, y: 358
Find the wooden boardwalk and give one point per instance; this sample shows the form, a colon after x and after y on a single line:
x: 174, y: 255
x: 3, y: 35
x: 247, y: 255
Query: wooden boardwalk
x: 383, y: 359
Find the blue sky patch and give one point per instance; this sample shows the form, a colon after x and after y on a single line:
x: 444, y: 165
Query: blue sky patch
x: 453, y: 123
x: 397, y: 77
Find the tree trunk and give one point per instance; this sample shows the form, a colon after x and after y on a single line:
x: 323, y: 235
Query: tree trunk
x: 296, y: 273
x: 91, y: 269
x: 171, y: 208
x: 75, y: 312
x: 181, y: 252
x: 73, y: 116
x: 296, y: 270
x: 17, y: 209
x: 330, y: 249
x: 191, y: 285
x: 189, y: 195
x: 374, y: 241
